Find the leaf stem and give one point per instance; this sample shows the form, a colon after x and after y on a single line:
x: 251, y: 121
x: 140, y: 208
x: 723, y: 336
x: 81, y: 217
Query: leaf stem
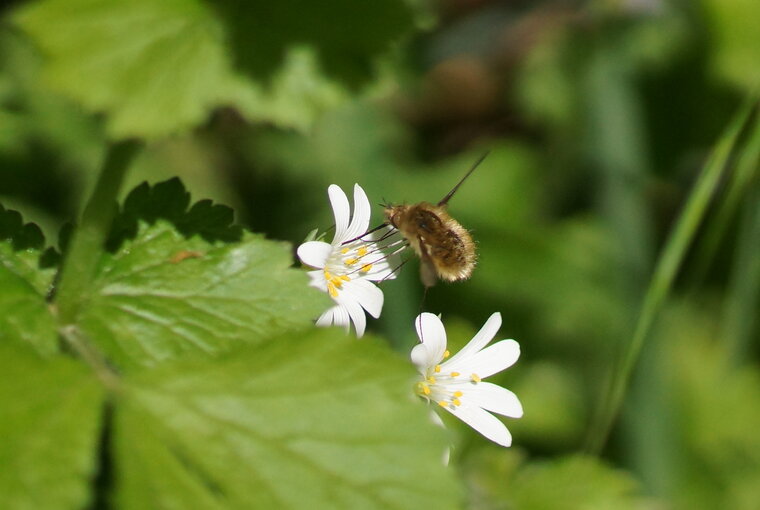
x: 89, y: 237
x: 665, y: 272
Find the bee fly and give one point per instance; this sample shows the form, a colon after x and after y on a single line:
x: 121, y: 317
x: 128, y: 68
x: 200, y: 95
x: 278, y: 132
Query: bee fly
x: 445, y: 247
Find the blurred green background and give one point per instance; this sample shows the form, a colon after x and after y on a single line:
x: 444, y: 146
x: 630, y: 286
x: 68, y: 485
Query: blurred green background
x: 599, y: 116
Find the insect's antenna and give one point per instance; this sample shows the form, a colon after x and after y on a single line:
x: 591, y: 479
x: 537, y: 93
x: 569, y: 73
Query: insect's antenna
x: 368, y: 232
x: 455, y: 188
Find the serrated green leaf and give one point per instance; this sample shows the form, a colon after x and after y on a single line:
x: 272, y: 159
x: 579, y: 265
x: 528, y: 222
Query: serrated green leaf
x: 48, y: 432
x: 169, y: 200
x: 23, y: 285
x: 183, y: 279
x: 155, y: 67
x: 315, y: 421
x: 22, y: 250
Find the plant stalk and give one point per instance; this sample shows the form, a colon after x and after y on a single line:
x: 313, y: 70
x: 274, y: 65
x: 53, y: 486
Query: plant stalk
x: 88, y: 239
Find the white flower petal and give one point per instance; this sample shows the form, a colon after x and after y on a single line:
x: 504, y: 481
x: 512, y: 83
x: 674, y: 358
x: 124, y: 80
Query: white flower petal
x: 489, y: 361
x: 326, y: 319
x: 431, y: 332
x: 481, y: 338
x: 422, y: 358
x: 341, y: 317
x: 362, y: 212
x: 314, y: 253
x: 356, y: 313
x: 341, y: 212
x: 494, y: 398
x: 484, y: 422
x: 317, y: 280
x: 365, y: 293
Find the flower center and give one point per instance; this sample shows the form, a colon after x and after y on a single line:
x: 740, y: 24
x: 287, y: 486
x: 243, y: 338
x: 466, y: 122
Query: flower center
x: 353, y: 254
x: 443, y: 387
x: 335, y: 282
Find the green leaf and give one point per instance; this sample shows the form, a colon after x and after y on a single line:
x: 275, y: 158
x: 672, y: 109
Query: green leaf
x: 155, y: 67
x: 178, y: 282
x: 160, y: 67
x: 314, y: 421
x: 347, y: 35
x: 23, y: 285
x: 22, y: 250
x: 577, y: 482
x: 49, y: 428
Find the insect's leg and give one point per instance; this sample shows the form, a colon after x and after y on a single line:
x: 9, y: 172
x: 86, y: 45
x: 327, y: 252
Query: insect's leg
x: 428, y: 274
x: 395, y: 270
x: 370, y: 231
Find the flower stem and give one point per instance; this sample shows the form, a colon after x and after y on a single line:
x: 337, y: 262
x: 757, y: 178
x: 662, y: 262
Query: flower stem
x: 665, y: 272
x: 89, y: 237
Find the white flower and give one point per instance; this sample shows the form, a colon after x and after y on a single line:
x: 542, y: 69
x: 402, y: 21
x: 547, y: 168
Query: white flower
x: 346, y: 270
x: 456, y: 384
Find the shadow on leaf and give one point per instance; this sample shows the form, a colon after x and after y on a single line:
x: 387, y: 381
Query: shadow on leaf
x: 25, y: 236
x: 170, y: 201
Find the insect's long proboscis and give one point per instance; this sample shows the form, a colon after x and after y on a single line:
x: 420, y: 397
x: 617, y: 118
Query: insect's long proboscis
x: 450, y: 194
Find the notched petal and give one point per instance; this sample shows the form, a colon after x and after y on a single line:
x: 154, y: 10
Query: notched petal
x: 314, y: 253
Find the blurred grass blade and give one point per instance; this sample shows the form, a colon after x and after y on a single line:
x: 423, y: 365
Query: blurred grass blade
x: 669, y: 262
x: 744, y: 174
x: 741, y: 305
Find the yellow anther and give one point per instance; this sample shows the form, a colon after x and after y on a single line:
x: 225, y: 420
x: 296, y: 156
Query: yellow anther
x: 455, y: 374
x: 431, y: 379
x: 337, y: 282
x: 362, y: 251
x: 456, y: 402
x: 332, y: 290
x: 446, y: 354
x: 351, y: 261
x: 327, y: 275
x: 344, y: 251
x: 442, y: 403
x: 475, y: 378
x: 458, y: 394
x: 437, y: 368
x: 426, y: 389
x: 366, y: 268
x: 345, y: 278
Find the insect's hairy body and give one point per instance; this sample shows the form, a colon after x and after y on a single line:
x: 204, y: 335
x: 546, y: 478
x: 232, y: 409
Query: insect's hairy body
x: 437, y: 238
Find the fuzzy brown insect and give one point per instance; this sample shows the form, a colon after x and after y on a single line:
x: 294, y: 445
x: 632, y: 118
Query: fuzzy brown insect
x: 444, y: 246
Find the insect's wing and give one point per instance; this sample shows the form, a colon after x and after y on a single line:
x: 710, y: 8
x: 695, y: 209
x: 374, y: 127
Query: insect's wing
x: 428, y: 274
